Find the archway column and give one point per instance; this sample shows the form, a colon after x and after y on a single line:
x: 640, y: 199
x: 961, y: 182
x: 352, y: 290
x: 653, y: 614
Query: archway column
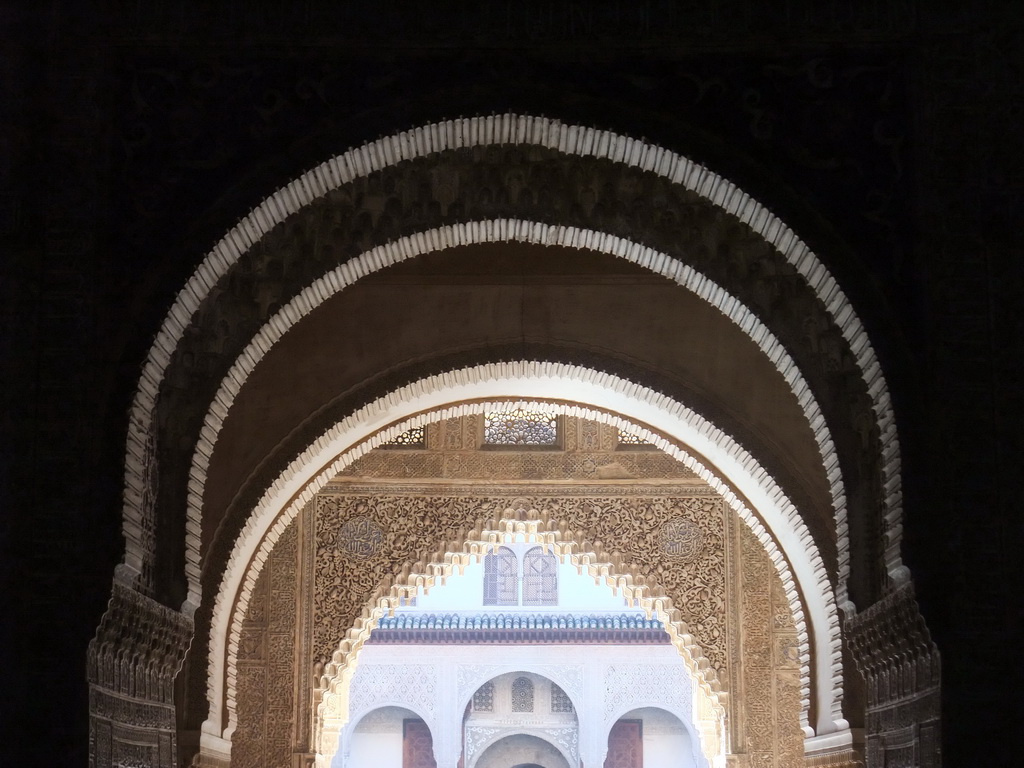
x: 894, y: 651
x: 131, y: 662
x: 448, y: 736
x: 593, y: 736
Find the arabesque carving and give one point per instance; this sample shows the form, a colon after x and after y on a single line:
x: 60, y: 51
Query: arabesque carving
x: 412, y: 523
x: 131, y: 662
x: 266, y: 731
x: 901, y: 666
x: 466, y: 545
x: 769, y: 661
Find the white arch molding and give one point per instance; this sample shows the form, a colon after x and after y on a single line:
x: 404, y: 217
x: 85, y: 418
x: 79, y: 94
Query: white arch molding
x: 501, y: 230
x: 600, y: 395
x: 487, y: 131
x: 431, y: 723
x: 537, y: 733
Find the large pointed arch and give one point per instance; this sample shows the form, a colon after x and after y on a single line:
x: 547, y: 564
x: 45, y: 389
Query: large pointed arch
x: 746, y: 487
x: 490, y: 131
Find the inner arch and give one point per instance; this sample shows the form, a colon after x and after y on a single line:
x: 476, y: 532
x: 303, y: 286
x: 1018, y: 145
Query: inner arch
x: 413, y: 405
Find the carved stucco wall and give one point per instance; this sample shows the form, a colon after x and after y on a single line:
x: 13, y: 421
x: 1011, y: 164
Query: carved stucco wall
x: 770, y: 699
x: 266, y: 666
x: 644, y: 527
x: 359, y: 531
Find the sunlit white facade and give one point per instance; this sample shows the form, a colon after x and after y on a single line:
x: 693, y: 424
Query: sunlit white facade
x: 520, y: 661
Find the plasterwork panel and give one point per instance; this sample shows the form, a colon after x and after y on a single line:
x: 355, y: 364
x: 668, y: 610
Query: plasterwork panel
x: 734, y: 628
x: 412, y: 685
x: 471, y: 676
x: 305, y: 675
x: 476, y: 736
x: 412, y: 523
x: 266, y: 668
x: 635, y: 686
x: 770, y: 664
x: 567, y: 738
x: 354, y: 535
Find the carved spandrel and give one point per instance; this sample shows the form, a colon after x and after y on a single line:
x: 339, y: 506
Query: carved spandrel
x: 413, y: 523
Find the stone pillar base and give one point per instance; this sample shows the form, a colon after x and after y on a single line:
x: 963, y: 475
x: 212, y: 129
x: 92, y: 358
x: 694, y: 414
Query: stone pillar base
x: 132, y: 661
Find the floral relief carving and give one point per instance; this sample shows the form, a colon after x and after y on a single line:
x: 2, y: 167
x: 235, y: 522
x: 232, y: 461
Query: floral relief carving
x: 770, y: 662
x: 266, y: 670
x: 567, y: 738
x: 416, y: 523
x: 399, y: 684
x: 472, y: 675
x: 476, y: 736
x: 667, y: 686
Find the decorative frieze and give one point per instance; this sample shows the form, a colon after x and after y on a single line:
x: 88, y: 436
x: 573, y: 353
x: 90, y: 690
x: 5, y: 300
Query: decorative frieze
x: 587, y: 452
x: 416, y: 522
x: 894, y: 651
x: 132, y: 661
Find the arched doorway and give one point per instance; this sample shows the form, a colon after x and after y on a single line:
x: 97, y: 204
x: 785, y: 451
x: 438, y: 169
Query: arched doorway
x: 517, y: 748
x: 259, y: 454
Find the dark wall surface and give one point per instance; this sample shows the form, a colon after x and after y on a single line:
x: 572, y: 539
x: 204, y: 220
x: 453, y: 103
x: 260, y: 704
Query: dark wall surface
x: 132, y: 135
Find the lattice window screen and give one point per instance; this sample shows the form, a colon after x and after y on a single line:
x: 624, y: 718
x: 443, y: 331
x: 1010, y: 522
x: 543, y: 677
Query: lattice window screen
x: 520, y: 427
x: 540, y: 578
x: 412, y: 438
x: 522, y: 695
x: 501, y: 578
x: 483, y: 699
x: 560, y: 701
x: 630, y: 438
